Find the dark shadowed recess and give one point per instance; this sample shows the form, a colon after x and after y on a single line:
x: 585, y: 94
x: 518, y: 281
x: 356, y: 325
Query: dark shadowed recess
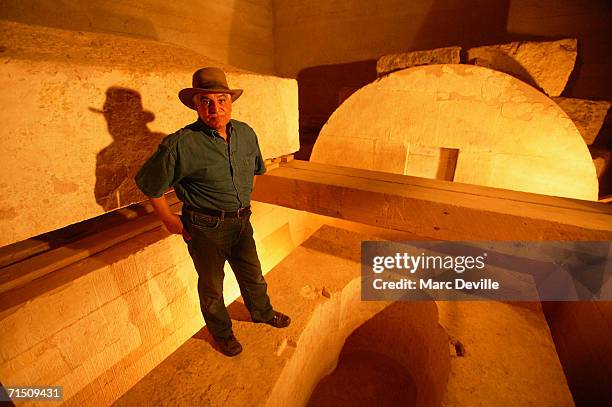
x: 468, y: 24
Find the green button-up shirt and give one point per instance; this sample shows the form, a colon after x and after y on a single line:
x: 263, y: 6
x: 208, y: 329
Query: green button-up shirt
x: 205, y: 171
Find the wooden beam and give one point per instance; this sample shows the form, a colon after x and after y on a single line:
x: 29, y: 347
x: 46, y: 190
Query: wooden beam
x: 432, y: 208
x: 36, y: 257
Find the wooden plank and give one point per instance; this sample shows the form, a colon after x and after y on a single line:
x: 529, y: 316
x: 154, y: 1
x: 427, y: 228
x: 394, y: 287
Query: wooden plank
x: 606, y: 199
x: 429, y: 186
x: 432, y: 208
x: 272, y: 165
x: 286, y: 158
x: 18, y: 251
x: 113, y: 228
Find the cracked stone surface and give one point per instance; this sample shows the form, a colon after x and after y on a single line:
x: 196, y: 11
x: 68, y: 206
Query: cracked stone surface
x: 546, y: 65
x: 506, y: 134
x: 395, y: 62
x: 588, y: 115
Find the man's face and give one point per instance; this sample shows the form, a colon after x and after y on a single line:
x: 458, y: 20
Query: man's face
x: 215, y: 109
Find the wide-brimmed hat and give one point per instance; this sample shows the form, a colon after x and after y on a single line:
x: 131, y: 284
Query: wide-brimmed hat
x: 207, y: 80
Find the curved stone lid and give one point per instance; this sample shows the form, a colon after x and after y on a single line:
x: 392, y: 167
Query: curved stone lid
x: 500, y: 131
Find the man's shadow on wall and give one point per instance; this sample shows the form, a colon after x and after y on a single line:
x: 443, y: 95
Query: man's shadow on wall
x: 132, y: 144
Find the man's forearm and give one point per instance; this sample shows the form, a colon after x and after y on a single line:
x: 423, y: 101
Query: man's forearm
x: 171, y: 221
x: 161, y: 208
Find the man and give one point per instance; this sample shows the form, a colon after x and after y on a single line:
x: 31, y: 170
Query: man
x: 211, y: 164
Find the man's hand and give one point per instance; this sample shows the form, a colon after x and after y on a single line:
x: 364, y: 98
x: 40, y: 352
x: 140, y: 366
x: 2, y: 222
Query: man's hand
x: 175, y: 225
x: 171, y: 221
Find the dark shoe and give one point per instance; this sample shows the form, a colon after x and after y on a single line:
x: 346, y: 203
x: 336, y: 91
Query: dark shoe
x: 229, y: 346
x: 279, y: 320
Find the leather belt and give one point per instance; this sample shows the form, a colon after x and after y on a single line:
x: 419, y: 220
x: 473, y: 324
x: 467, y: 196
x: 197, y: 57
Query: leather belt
x: 221, y: 214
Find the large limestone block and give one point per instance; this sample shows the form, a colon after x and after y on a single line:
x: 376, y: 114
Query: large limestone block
x: 503, y: 132
x: 82, y: 111
x: 395, y: 62
x: 588, y: 115
x: 546, y: 65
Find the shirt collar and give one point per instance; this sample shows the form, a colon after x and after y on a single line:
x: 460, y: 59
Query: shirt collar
x: 201, y: 126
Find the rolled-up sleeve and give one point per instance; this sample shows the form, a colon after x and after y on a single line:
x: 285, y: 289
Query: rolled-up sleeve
x: 158, y: 173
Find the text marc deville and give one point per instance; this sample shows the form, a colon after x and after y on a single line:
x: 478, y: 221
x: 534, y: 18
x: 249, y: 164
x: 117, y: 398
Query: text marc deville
x: 431, y: 284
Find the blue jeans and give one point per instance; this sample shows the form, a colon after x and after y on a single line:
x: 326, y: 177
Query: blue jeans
x: 213, y: 241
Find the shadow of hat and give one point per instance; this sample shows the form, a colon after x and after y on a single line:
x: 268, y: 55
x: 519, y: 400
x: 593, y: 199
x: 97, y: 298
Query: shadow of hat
x: 126, y: 103
x: 207, y: 80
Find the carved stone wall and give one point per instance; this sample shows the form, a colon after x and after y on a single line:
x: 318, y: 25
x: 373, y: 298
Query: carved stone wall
x: 239, y: 33
x: 314, y: 33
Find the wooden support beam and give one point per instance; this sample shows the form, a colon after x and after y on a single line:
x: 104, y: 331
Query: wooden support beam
x: 432, y: 208
x: 38, y: 256
x: 272, y: 163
